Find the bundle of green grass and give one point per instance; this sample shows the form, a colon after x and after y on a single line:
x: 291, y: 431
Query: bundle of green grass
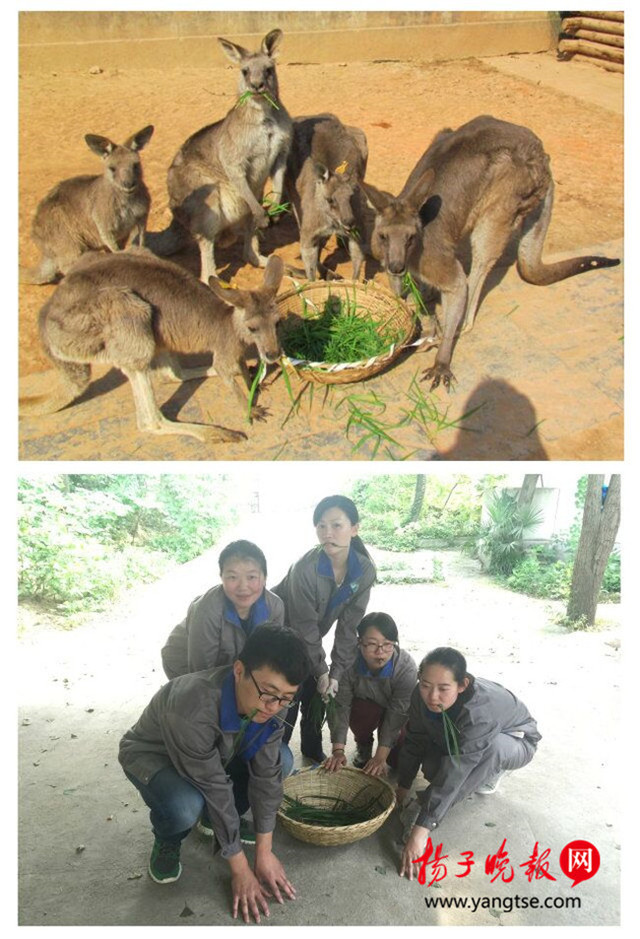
x: 337, y: 333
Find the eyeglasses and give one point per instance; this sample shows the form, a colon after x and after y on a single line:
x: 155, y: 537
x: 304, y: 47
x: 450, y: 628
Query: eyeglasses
x: 268, y: 698
x: 374, y: 646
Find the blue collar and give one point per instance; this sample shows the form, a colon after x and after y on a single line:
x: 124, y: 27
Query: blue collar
x: 363, y: 669
x: 349, y: 585
x: 258, y: 614
x: 255, y: 734
x: 354, y: 567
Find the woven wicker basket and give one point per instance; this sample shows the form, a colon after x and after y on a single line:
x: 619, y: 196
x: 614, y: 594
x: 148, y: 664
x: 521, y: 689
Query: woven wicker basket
x: 347, y: 783
x: 371, y: 300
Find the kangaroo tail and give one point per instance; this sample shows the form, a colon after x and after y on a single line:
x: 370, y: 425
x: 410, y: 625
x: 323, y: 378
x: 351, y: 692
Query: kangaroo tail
x: 44, y: 273
x: 530, y: 265
x: 168, y: 241
x: 74, y: 379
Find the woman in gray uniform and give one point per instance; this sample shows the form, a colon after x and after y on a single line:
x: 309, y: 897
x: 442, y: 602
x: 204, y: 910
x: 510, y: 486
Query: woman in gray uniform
x: 218, y: 623
x: 329, y: 584
x: 374, y: 694
x: 486, y: 732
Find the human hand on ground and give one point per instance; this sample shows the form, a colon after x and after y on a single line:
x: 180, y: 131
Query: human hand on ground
x: 413, y: 850
x: 248, y: 895
x: 270, y: 871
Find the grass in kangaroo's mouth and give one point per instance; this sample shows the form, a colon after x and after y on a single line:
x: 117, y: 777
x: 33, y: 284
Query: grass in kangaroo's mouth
x: 244, y: 97
x: 337, y: 333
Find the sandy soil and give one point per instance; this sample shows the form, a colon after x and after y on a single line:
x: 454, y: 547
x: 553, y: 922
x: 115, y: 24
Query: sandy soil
x: 541, y: 372
x: 399, y: 105
x: 80, y: 690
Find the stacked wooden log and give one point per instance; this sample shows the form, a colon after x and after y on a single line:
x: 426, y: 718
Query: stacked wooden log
x: 594, y: 37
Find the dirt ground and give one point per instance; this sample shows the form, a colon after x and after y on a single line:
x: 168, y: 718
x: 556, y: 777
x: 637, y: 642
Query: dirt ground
x: 84, y: 832
x: 544, y: 363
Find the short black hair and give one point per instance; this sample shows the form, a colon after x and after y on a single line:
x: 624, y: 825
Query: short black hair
x: 336, y: 502
x: 449, y: 658
x: 380, y: 621
x: 278, y: 648
x: 243, y: 550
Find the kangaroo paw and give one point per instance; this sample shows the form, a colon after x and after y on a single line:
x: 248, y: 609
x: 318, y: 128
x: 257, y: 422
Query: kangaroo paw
x: 207, y: 433
x: 438, y: 373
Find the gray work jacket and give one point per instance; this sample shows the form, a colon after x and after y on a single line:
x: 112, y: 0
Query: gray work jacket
x: 211, y: 634
x: 484, y: 710
x: 391, y: 691
x: 307, y: 591
x: 181, y: 727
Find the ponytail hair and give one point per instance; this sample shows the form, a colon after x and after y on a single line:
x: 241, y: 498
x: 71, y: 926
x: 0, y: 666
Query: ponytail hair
x: 350, y: 510
x: 448, y: 658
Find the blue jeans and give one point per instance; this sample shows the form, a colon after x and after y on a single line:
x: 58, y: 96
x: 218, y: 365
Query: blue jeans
x: 176, y: 804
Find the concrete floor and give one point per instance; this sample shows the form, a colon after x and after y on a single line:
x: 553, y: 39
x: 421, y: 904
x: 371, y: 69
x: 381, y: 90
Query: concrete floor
x: 84, y: 832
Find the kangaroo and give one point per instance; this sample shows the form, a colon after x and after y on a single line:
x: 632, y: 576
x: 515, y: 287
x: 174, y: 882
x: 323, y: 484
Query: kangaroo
x: 85, y: 213
x: 486, y: 179
x: 327, y: 161
x: 131, y: 310
x: 216, y: 180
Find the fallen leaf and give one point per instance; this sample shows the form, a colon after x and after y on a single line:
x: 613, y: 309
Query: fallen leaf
x: 135, y: 876
x: 381, y: 870
x: 109, y: 818
x: 26, y: 722
x: 186, y: 911
x: 489, y: 824
x: 80, y: 849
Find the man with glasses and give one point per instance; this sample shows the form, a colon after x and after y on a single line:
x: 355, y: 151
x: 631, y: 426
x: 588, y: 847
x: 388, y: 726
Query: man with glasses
x: 374, y: 695
x: 211, y: 740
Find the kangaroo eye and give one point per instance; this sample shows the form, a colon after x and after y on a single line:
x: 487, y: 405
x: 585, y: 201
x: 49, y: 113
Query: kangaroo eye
x: 245, y: 72
x: 383, y: 236
x: 253, y: 329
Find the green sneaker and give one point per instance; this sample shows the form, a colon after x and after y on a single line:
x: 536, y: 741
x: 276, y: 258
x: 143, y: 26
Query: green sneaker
x: 204, y: 825
x: 164, y: 863
x: 247, y: 832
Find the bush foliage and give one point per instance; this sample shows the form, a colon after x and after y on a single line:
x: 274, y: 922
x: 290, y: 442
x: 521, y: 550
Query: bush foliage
x: 84, y: 538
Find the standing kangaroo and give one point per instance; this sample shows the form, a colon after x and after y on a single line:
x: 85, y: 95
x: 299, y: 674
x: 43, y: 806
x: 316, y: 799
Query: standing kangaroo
x: 327, y: 161
x: 217, y: 178
x: 128, y: 310
x: 85, y: 213
x: 485, y: 179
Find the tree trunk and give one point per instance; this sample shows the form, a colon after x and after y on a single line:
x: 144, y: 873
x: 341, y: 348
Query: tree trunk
x: 529, y: 483
x: 418, y: 499
x: 600, y: 524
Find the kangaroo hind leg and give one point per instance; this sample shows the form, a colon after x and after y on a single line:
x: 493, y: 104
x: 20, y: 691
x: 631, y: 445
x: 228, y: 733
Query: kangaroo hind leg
x: 489, y: 239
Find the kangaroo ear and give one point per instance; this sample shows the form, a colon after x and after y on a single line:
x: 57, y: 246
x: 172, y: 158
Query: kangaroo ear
x: 377, y: 197
x: 419, y: 192
x: 141, y: 139
x: 273, y: 274
x: 226, y: 293
x: 271, y: 42
x: 100, y: 145
x: 236, y: 53
x: 321, y: 171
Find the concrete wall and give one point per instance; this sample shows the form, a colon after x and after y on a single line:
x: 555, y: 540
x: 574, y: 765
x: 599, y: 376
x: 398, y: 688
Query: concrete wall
x: 120, y: 39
